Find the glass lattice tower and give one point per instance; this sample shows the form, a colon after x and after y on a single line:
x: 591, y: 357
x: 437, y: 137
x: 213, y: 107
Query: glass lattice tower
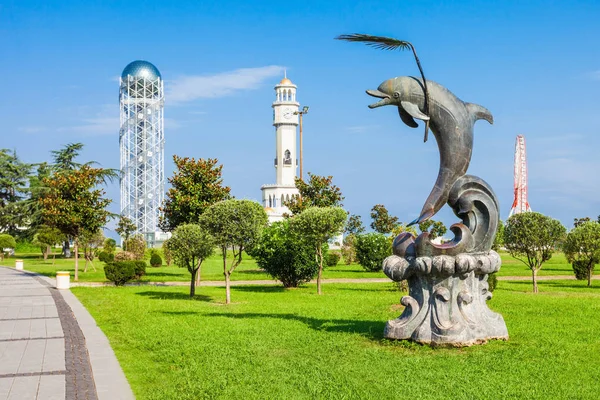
x: 141, y: 142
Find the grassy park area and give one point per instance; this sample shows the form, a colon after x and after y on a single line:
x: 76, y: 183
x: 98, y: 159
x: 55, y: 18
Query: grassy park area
x: 277, y: 343
x: 212, y: 269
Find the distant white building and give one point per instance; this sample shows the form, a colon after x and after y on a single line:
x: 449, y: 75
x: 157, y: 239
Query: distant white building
x: 285, y: 120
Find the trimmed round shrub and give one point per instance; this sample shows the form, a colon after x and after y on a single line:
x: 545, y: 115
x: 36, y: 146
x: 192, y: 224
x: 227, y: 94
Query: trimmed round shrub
x: 155, y: 260
x: 492, y: 282
x: 106, y: 257
x: 371, y: 249
x: 580, y: 269
x: 285, y: 256
x: 332, y: 259
x: 119, y: 272
x: 139, y: 268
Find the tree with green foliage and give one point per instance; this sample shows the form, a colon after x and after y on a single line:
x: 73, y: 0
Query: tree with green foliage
x: 190, y: 245
x: 318, y: 225
x: 195, y: 186
x: 109, y: 245
x: 531, y: 238
x: 167, y: 253
x: 383, y: 222
x: 90, y: 243
x: 6, y: 242
x: 499, y: 238
x: 580, y: 221
x: 74, y: 204
x: 45, y: 238
x: 435, y: 228
x: 318, y: 192
x: 284, y: 255
x: 582, y: 246
x: 371, y: 249
x: 236, y: 225
x: 354, y: 225
x: 13, y: 193
x: 125, y: 227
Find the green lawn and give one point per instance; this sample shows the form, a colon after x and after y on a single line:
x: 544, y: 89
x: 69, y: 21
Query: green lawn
x: 212, y: 269
x: 273, y: 343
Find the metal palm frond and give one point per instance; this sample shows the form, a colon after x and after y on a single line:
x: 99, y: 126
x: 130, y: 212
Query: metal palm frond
x: 379, y: 42
x: 387, y: 43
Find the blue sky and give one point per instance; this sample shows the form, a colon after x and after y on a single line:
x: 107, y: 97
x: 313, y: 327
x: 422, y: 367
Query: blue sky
x: 535, y: 65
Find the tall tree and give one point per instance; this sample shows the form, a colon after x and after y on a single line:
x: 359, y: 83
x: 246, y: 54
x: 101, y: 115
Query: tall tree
x: 531, y: 238
x: 319, y: 191
x: 580, y: 221
x: 74, y: 204
x: 125, y: 227
x: 64, y: 159
x: 13, y: 192
x: 317, y: 225
x: 195, y: 186
x: 235, y: 225
x: 189, y: 246
x: 354, y: 225
x: 582, y: 245
x: 383, y: 222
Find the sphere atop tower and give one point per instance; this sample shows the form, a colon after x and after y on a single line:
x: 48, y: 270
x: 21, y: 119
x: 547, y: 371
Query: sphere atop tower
x: 141, y: 69
x: 285, y: 81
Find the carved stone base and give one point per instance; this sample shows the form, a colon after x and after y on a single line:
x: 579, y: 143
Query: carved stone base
x: 447, y: 298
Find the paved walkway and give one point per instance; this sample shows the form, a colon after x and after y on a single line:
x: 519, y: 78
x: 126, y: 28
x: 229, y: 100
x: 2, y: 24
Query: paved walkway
x: 43, y: 349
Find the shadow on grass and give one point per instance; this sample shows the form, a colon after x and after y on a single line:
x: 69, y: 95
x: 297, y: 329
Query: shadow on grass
x: 372, y: 330
x: 158, y: 295
x: 260, y: 289
x: 391, y: 288
x: 572, y: 284
x: 150, y: 272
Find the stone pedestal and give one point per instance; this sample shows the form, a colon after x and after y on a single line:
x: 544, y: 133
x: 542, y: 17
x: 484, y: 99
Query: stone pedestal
x: 446, y: 304
x: 19, y: 264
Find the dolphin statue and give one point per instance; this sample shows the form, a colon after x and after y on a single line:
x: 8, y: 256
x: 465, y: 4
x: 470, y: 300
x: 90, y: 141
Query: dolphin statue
x: 451, y: 120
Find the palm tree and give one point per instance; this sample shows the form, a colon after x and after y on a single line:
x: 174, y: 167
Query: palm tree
x: 386, y: 43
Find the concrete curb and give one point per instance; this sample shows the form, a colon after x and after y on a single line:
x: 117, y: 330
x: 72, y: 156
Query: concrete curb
x: 110, y: 380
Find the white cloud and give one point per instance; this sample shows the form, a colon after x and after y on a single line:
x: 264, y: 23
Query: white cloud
x: 189, y: 88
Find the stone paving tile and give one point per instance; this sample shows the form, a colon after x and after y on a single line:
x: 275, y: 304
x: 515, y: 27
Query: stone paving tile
x: 6, y: 329
x: 33, y: 357
x: 24, y: 388
x: 5, y: 385
x: 52, y: 387
x: 54, y: 355
x: 11, y: 358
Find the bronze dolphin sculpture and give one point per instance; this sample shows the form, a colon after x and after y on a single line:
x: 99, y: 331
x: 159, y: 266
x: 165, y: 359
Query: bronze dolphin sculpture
x: 451, y: 120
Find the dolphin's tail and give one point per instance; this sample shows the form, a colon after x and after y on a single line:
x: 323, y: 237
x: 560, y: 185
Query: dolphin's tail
x: 423, y: 217
x: 479, y: 112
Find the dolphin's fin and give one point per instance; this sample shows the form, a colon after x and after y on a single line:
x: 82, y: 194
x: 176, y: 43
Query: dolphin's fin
x: 480, y: 112
x: 406, y: 118
x: 413, y: 110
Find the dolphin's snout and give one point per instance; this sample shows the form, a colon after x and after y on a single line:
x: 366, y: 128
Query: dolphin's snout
x: 385, y: 98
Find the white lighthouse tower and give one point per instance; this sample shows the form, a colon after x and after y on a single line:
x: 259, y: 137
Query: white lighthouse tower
x: 285, y: 120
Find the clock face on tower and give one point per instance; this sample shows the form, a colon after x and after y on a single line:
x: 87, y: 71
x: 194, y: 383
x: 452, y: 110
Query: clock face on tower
x: 288, y: 113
